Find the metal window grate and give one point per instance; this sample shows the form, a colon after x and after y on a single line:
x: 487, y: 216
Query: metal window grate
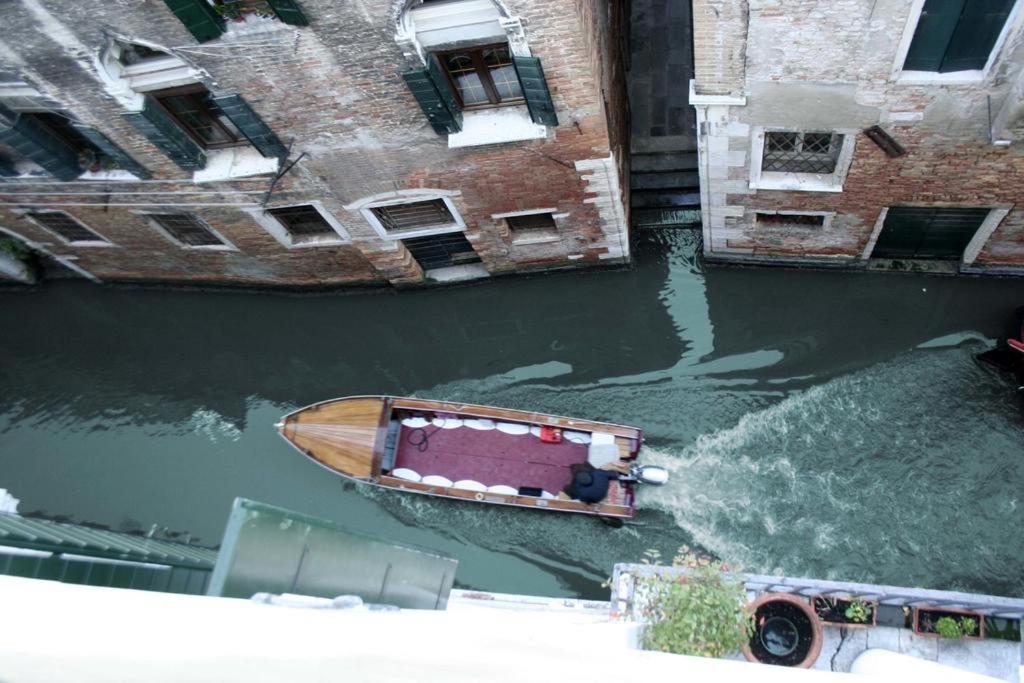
x: 302, y: 221
x: 64, y: 225
x: 415, y: 215
x: 801, y: 152
x: 534, y: 222
x: 187, y: 229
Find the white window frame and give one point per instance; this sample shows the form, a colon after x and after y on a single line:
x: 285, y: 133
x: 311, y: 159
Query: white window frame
x: 800, y: 182
x: 148, y: 217
x: 280, y: 233
x: 100, y: 242
x: 458, y: 226
x: 555, y: 236
x: 826, y: 224
x: 953, y: 77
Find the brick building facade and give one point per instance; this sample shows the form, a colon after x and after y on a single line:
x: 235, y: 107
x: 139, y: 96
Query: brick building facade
x: 862, y: 132
x: 155, y: 140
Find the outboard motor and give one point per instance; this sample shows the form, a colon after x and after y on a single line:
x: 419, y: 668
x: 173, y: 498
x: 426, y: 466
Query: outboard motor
x: 648, y: 474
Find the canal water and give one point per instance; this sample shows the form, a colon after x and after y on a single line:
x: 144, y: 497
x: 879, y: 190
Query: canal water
x: 821, y: 424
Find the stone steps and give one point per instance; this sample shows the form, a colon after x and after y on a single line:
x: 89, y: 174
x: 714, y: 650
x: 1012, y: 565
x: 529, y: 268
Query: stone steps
x: 646, y: 162
x: 659, y: 180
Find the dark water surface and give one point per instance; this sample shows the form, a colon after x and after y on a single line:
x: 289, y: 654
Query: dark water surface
x: 816, y: 423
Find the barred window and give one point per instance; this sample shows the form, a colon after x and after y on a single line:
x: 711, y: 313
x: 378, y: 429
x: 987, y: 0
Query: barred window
x: 303, y: 222
x: 187, y: 230
x: 789, y: 220
x: 65, y: 227
x: 815, y: 152
x: 414, y: 216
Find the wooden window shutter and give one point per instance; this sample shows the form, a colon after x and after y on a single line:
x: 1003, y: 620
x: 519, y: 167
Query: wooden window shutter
x: 535, y: 90
x: 164, y: 132
x: 931, y: 37
x: 113, y: 151
x: 199, y: 17
x: 289, y: 12
x: 31, y: 140
x: 976, y: 33
x: 251, y: 125
x: 430, y: 88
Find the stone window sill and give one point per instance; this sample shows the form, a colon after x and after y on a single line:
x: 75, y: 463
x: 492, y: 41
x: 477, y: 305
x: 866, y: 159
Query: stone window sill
x: 798, y: 182
x: 235, y: 162
x: 495, y: 126
x: 936, y: 78
x: 537, y: 238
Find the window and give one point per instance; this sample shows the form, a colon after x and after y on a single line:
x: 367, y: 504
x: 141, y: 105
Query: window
x: 306, y: 225
x: 789, y: 220
x: 801, y: 152
x: 188, y: 231
x: 192, y: 107
x: 808, y: 161
x: 482, y: 77
x: 90, y: 157
x: 133, y: 53
x: 528, y: 228
x: 956, y: 35
x: 66, y: 227
x: 414, y: 216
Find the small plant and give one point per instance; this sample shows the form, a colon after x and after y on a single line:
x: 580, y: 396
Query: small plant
x: 702, y: 613
x: 948, y: 627
x: 858, y: 612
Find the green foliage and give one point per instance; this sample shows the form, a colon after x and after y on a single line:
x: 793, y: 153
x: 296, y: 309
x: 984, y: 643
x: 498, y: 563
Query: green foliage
x: 13, y: 248
x: 949, y: 627
x: 703, y: 613
x: 858, y: 612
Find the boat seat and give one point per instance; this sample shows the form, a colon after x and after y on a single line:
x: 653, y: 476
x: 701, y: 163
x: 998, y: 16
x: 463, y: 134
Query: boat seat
x: 469, y: 485
x: 447, y: 422
x: 602, y: 454
x: 405, y: 473
x: 503, y: 489
x: 436, y: 480
x: 482, y: 425
x: 576, y: 437
x: 415, y: 422
x: 513, y: 428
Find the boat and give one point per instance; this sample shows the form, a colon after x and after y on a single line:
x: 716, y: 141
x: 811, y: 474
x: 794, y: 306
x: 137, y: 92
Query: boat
x: 1008, y: 355
x: 474, y: 453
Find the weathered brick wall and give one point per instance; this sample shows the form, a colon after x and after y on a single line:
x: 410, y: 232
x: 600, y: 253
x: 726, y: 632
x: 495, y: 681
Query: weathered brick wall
x: 830, y: 66
x: 334, y: 91
x: 719, y: 43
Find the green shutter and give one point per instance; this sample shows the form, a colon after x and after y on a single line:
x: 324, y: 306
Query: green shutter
x: 34, y: 141
x: 535, y: 90
x: 931, y: 37
x: 976, y: 33
x: 164, y: 132
x: 435, y: 98
x: 106, y: 146
x: 289, y: 12
x: 199, y: 17
x: 251, y: 125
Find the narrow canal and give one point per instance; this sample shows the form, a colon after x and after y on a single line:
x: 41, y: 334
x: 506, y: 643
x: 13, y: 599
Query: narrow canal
x: 817, y: 423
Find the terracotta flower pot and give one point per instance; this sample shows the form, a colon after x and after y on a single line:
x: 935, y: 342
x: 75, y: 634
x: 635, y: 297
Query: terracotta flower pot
x: 787, y: 632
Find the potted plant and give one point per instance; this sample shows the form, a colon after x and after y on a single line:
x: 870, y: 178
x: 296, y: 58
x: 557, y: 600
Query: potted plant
x: 702, y: 613
x: 949, y: 623
x: 787, y: 632
x: 852, y: 612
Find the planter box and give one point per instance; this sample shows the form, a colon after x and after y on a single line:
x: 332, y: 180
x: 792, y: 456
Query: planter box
x: 831, y: 611
x: 923, y: 616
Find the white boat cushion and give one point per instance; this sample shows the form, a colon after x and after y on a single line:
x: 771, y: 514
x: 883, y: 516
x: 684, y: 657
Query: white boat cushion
x: 601, y: 454
x: 545, y: 494
x: 502, y: 488
x: 482, y: 425
x: 576, y: 437
x: 415, y: 422
x: 436, y: 480
x: 469, y: 485
x: 602, y: 437
x: 513, y: 428
x: 405, y: 473
x: 535, y: 430
x: 447, y: 422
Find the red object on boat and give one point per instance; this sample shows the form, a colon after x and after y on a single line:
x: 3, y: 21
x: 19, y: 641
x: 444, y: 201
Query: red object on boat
x: 550, y: 434
x: 1016, y: 345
